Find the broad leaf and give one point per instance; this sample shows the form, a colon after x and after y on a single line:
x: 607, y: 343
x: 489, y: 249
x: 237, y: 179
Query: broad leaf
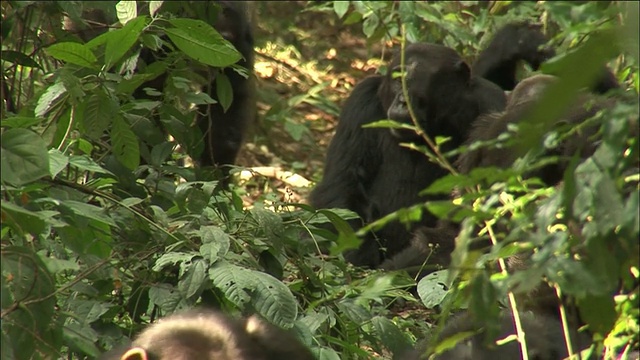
x: 202, y: 42
x: 73, y: 53
x: 24, y: 157
x: 126, y: 11
x: 224, y: 91
x: 125, y: 144
x: 50, y: 98
x: 121, y: 40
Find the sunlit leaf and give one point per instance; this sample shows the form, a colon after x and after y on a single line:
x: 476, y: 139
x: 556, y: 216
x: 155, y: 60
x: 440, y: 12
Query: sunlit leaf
x: 126, y: 11
x: 154, y: 6
x: 49, y: 99
x: 73, y: 53
x: 340, y: 7
x: 202, y: 42
x: 121, y: 40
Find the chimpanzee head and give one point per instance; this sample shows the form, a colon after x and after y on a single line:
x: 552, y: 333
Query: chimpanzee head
x: 529, y: 43
x: 530, y: 89
x: 437, y: 84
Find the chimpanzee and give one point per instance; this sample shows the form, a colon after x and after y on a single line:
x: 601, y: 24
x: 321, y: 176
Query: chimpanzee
x: 523, y: 41
x: 515, y: 42
x: 368, y: 172
x: 222, y: 131
x: 488, y: 127
x: 210, y: 335
x: 543, y: 334
x: 521, y: 101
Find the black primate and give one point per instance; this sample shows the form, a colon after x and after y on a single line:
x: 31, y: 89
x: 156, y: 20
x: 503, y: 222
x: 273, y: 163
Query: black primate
x: 367, y: 171
x: 222, y: 131
x: 543, y: 334
x: 211, y: 335
x: 522, y: 101
x: 523, y: 42
x: 513, y: 43
x: 490, y: 126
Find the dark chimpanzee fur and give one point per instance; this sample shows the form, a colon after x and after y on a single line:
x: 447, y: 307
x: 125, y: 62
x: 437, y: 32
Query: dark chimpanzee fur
x: 210, y: 335
x: 222, y: 131
x: 366, y: 169
x: 543, y: 334
x: 521, y: 101
x: 511, y: 44
x: 523, y: 41
x: 488, y: 127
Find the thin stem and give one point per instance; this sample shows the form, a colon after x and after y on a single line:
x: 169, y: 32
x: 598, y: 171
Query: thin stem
x: 512, y: 300
x: 405, y: 92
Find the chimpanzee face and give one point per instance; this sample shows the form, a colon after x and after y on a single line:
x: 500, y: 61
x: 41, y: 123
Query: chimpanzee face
x: 435, y: 77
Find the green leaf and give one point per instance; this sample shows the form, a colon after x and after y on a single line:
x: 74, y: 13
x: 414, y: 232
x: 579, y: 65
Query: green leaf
x: 19, y: 58
x: 215, y: 243
x: 166, y: 297
x: 57, y: 162
x: 273, y: 300
x: 270, y: 224
x: 353, y: 18
x: 268, y: 296
x: 370, y: 25
x: 433, y: 288
x: 599, y: 312
x: 27, y: 285
x: 295, y: 129
x: 88, y: 311
x: 84, y: 235
x: 23, y: 158
x: 126, y: 11
x: 202, y: 42
x: 234, y: 281
x: 58, y: 266
x: 172, y: 258
x: 121, y: 40
x: 88, y: 211
x: 49, y: 98
x: 347, y: 238
x: 85, y: 163
x: 451, y: 341
x: 224, y: 90
x: 195, y: 275
x: 390, y: 124
x: 20, y: 218
x: 96, y: 114
x: 125, y: 144
x: 20, y: 122
x: 609, y: 206
x: 484, y: 297
x: 324, y: 353
x: 390, y: 334
x: 81, y: 338
x: 73, y: 53
x: 340, y: 8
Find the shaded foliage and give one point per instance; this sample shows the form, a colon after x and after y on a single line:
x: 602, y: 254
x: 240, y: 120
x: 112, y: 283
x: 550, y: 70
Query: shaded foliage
x: 94, y: 249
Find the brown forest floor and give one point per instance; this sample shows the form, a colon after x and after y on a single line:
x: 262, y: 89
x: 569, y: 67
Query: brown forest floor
x: 297, y: 50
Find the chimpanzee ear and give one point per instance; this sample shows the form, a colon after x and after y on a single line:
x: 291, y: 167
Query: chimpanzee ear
x: 463, y: 69
x: 385, y: 93
x: 136, y: 353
